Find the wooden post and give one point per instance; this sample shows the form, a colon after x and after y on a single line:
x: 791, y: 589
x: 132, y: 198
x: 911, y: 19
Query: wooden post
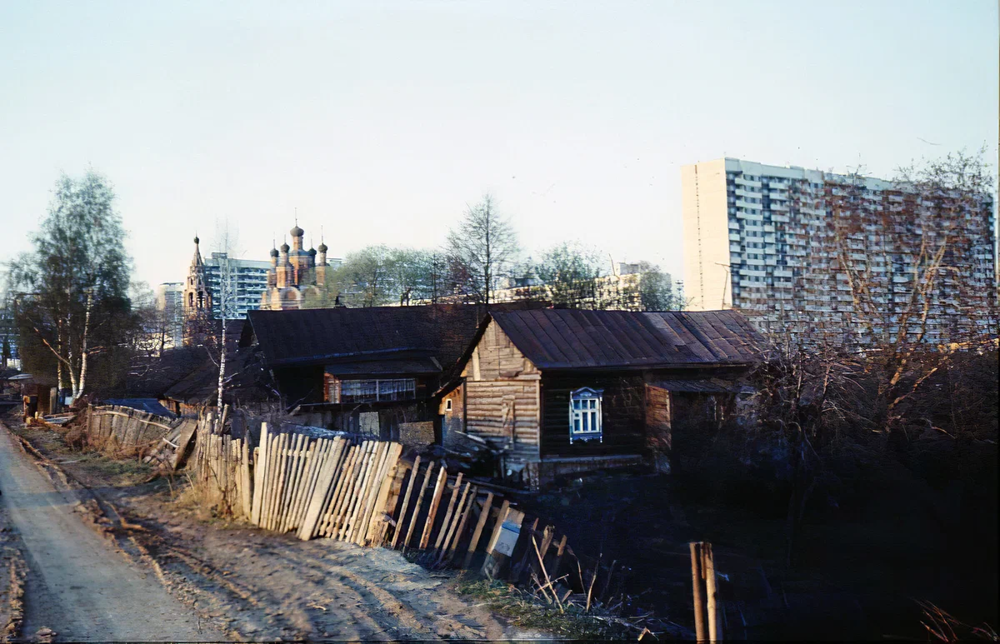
x: 699, y: 599
x: 432, y: 512
x: 406, y: 503
x: 448, y: 513
x: 416, y: 506
x: 708, y: 568
x: 484, y: 514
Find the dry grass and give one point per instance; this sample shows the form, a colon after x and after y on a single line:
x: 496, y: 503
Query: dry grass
x: 528, y: 612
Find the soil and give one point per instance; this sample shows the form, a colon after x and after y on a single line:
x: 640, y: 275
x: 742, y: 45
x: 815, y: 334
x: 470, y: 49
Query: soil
x: 251, y: 584
x: 78, y: 586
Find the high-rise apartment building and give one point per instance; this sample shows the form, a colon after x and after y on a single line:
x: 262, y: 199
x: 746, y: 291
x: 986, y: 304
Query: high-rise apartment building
x: 834, y: 256
x: 248, y: 279
x: 170, y: 304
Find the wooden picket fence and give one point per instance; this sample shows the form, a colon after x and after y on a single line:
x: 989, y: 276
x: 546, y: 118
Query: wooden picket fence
x: 118, y: 431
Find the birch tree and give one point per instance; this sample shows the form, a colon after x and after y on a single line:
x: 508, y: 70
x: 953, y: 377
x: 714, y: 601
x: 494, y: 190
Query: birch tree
x: 480, y: 248
x: 71, y: 289
x: 227, y: 300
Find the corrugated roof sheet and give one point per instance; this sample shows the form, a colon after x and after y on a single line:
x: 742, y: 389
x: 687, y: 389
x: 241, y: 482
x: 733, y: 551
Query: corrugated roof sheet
x: 579, y: 339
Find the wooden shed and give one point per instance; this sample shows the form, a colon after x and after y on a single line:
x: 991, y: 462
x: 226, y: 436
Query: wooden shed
x: 559, y: 391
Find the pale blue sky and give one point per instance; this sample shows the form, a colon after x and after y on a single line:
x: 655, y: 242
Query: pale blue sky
x: 379, y: 121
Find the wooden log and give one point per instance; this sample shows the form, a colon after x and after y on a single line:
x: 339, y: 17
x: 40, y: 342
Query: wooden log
x: 447, y: 515
x: 698, y: 591
x: 406, y: 502
x: 484, y: 514
x: 432, y: 512
x: 416, y: 506
x: 375, y: 519
x: 457, y: 538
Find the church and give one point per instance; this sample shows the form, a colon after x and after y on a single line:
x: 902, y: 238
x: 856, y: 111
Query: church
x: 299, y: 278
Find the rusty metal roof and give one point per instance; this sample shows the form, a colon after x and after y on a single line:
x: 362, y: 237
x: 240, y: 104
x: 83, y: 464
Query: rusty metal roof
x: 579, y: 339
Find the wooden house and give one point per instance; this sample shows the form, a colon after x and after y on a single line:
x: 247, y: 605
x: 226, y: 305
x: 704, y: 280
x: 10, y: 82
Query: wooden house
x: 558, y: 391
x: 365, y: 370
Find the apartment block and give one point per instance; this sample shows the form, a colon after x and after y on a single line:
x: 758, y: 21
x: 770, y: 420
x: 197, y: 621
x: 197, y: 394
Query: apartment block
x: 836, y: 257
x: 170, y: 303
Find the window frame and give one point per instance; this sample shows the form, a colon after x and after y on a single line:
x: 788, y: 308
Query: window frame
x: 587, y: 416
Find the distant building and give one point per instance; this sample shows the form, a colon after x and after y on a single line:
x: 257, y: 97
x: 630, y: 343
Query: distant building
x: 170, y: 304
x: 764, y: 239
x: 247, y: 279
x: 297, y: 278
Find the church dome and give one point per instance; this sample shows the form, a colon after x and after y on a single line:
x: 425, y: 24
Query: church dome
x: 322, y: 247
x: 284, y: 248
x: 196, y: 240
x: 274, y: 252
x: 312, y: 252
x: 297, y: 232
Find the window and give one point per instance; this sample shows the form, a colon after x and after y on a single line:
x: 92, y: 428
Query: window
x: 585, y: 415
x: 375, y: 390
x: 447, y: 405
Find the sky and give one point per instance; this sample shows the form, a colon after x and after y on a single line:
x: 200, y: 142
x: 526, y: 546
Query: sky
x: 378, y: 122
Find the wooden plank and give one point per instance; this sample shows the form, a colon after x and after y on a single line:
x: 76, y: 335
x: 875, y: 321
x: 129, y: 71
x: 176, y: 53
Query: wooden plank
x: 451, y: 508
x: 484, y: 514
x: 379, y: 492
x: 340, y: 494
x: 376, y: 520
x: 338, y: 453
x: 323, y: 483
x: 459, y: 512
x: 317, y: 450
x: 432, y: 512
x: 308, y: 454
x: 363, y: 494
x: 501, y: 517
x: 453, y: 550
x: 416, y: 506
x: 260, y: 475
x: 291, y: 487
x: 347, y: 458
x: 277, y: 470
x: 406, y: 502
x: 352, y: 495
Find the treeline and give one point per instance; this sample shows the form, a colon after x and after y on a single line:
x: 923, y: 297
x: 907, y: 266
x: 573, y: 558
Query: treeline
x: 481, y: 262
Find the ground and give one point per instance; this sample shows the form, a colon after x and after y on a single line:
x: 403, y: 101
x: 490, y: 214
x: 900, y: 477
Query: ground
x: 233, y: 581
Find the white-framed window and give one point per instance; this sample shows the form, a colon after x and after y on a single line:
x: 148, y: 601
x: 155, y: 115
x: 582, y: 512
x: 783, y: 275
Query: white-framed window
x: 447, y: 405
x: 585, y: 419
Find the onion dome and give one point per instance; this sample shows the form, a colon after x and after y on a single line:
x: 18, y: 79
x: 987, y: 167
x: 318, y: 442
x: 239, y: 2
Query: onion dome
x: 322, y: 247
x: 196, y: 240
x: 284, y: 248
x: 312, y: 252
x: 297, y: 232
x: 274, y: 252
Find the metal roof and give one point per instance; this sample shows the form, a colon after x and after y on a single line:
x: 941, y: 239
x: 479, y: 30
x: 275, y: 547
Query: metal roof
x: 579, y: 339
x: 329, y: 336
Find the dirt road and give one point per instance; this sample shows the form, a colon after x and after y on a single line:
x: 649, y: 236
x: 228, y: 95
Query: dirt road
x: 77, y: 584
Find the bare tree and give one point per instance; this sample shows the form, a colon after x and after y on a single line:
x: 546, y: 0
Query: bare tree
x: 480, y: 249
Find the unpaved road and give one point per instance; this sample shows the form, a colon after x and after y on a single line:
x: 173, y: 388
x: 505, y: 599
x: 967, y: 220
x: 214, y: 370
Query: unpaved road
x: 77, y: 584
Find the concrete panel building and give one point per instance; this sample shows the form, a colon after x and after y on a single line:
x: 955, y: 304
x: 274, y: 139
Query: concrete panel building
x: 787, y: 245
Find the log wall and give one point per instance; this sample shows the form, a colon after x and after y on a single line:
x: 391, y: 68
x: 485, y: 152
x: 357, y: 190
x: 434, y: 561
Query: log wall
x: 502, y: 398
